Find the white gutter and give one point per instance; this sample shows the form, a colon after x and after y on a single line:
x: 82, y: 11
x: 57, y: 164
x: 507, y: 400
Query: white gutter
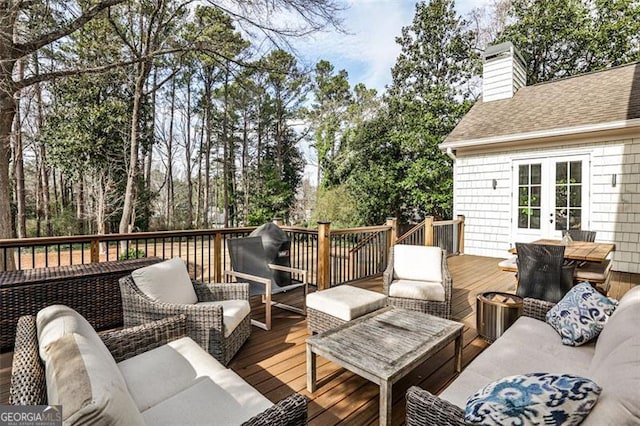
x: 540, y: 134
x: 451, y: 154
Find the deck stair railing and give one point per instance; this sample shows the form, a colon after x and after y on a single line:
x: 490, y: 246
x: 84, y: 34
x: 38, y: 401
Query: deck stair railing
x: 447, y: 234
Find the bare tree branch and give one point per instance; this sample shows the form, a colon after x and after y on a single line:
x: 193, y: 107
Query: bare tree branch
x: 31, y: 46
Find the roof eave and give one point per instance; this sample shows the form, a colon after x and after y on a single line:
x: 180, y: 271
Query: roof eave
x: 540, y: 134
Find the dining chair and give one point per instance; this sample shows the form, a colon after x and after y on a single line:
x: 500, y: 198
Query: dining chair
x: 541, y: 272
x: 580, y: 235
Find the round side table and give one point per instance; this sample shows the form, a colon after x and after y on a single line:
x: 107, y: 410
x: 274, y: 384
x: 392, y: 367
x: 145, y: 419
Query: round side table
x: 495, y: 312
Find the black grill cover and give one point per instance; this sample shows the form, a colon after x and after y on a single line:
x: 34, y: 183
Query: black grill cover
x: 276, y: 245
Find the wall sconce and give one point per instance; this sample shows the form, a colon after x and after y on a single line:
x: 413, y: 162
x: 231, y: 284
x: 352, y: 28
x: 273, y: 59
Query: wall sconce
x: 494, y: 183
x: 613, y: 180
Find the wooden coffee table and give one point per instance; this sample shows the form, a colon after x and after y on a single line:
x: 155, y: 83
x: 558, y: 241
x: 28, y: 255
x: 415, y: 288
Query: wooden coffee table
x: 383, y: 347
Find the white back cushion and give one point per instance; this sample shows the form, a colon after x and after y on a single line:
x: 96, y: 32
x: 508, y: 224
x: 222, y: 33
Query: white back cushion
x: 80, y: 371
x: 166, y: 282
x: 56, y: 321
x: 418, y: 263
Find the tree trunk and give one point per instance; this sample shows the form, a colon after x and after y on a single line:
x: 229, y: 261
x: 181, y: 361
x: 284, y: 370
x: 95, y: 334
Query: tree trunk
x: 187, y: 153
x: 207, y: 159
x: 142, y: 71
x: 43, y: 169
x: 21, y: 225
x: 170, y: 192
x: 7, y: 114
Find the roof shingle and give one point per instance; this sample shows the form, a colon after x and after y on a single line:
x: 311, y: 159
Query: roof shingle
x: 598, y: 97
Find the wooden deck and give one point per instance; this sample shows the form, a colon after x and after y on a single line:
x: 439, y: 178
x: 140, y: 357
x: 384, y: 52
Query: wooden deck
x: 274, y: 362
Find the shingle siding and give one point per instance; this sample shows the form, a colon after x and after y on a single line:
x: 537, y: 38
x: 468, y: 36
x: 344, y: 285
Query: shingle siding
x: 614, y: 211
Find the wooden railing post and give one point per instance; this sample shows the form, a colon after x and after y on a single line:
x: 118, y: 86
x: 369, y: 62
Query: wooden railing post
x: 95, y: 250
x: 324, y: 255
x: 217, y: 258
x: 392, y: 236
x: 461, y: 234
x: 428, y: 231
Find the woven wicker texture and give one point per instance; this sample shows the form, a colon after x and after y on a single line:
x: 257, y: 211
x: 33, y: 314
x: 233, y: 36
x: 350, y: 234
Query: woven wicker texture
x: 204, y: 323
x: 579, y: 235
x: 28, y: 385
x: 291, y: 411
x: 536, y: 308
x: 541, y: 274
x: 440, y: 309
x: 319, y: 322
x: 90, y: 289
x: 423, y: 408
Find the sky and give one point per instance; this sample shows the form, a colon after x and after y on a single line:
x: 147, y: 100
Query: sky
x: 368, y: 50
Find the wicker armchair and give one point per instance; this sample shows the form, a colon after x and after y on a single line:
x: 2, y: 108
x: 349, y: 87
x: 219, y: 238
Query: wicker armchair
x: 424, y: 408
x: 438, y: 308
x: 28, y: 381
x: 204, y: 321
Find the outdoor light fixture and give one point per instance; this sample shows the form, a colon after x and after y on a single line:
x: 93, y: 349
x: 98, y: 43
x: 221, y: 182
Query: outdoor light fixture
x: 613, y: 180
x: 494, y: 183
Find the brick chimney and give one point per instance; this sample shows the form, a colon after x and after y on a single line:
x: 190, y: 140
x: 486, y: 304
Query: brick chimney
x: 503, y: 72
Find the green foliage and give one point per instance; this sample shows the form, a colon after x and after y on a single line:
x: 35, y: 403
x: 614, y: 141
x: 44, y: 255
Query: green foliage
x: 560, y: 38
x: 132, y: 253
x: 391, y: 162
x: 338, y: 206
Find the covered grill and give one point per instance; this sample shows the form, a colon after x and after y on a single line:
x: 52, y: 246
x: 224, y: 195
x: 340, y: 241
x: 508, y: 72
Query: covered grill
x: 277, y: 247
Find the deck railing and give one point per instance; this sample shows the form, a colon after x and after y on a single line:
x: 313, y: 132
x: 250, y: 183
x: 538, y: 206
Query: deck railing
x: 331, y: 256
x: 446, y: 234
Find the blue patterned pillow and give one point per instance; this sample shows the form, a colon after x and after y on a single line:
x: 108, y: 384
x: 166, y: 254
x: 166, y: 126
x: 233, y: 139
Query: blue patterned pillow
x: 533, y: 399
x: 581, y: 314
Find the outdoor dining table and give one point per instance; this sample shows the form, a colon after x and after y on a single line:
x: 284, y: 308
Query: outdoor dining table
x: 580, y: 250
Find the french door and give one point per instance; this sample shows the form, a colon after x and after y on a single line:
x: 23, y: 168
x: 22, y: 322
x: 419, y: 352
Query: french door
x: 550, y: 195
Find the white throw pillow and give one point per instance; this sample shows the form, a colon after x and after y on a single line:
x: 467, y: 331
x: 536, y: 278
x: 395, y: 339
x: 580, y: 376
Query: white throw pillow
x: 166, y: 282
x: 417, y: 263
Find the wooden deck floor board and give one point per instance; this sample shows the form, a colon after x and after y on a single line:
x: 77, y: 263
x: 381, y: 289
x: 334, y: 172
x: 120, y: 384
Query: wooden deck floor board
x: 274, y: 362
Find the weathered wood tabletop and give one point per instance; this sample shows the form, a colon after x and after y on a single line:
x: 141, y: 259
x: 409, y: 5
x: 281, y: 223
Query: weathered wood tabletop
x: 580, y: 250
x: 383, y: 347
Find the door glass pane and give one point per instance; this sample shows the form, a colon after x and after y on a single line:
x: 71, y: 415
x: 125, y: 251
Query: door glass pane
x: 536, y: 174
x: 535, y: 219
x: 535, y: 196
x: 523, y: 218
x: 561, y: 219
x: 575, y: 199
x: 523, y: 173
x: 575, y: 219
x: 561, y: 172
x: 529, y: 195
x: 576, y: 171
x: 561, y: 196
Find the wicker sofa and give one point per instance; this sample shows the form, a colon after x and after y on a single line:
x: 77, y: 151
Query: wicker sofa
x: 148, y: 374
x: 531, y: 345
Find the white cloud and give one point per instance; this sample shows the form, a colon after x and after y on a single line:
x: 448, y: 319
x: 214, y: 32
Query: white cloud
x: 368, y: 50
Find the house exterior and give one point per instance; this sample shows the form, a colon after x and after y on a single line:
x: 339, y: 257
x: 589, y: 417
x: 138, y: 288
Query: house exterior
x: 531, y: 161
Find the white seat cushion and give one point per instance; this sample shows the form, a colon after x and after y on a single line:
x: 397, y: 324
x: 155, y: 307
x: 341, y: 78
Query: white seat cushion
x: 224, y: 399
x: 233, y: 312
x: 417, y: 263
x: 81, y: 374
x: 180, y: 383
x: 167, y: 282
x: 346, y: 302
x: 528, y: 346
x: 421, y: 290
x: 160, y: 373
